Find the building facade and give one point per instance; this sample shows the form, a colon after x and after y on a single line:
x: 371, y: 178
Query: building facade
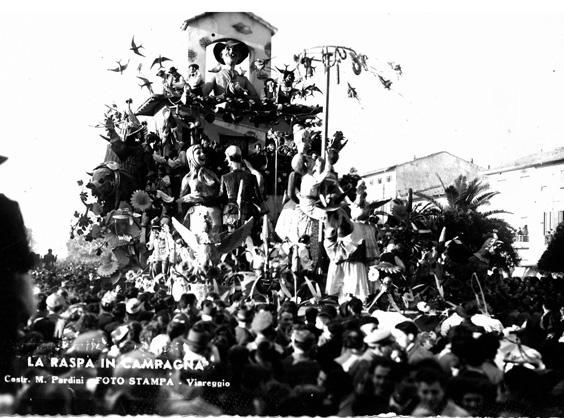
x: 423, y: 175
x: 532, y: 190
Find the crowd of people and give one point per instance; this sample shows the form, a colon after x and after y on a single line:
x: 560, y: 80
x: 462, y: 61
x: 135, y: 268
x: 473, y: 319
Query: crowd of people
x: 245, y: 356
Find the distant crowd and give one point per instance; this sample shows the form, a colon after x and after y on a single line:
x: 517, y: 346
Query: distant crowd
x: 245, y: 356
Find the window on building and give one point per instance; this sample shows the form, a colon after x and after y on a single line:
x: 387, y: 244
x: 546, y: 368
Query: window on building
x: 371, y: 182
x: 549, y: 223
x: 523, y: 231
x: 389, y: 178
x: 379, y: 181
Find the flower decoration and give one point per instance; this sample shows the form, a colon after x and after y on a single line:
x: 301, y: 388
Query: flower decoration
x: 373, y: 274
x: 108, y: 267
x: 130, y: 276
x: 387, y: 267
x: 140, y: 200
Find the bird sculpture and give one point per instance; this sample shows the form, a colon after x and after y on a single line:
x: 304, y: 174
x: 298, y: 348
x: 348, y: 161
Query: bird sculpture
x: 136, y: 48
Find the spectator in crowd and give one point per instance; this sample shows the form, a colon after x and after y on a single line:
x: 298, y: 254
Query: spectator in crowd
x: 49, y: 259
x: 406, y: 336
x: 328, y: 363
x: 433, y: 399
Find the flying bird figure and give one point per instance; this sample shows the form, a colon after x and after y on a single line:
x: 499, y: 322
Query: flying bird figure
x: 159, y: 61
x: 136, y: 48
x: 309, y: 68
x: 120, y: 68
x: 307, y: 91
x: 387, y: 83
x: 396, y: 67
x: 139, y: 67
x: 146, y: 83
x: 215, y: 69
x: 259, y: 64
x: 351, y: 92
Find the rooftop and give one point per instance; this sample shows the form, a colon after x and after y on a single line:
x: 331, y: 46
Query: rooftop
x: 392, y: 167
x: 253, y: 16
x: 532, y: 160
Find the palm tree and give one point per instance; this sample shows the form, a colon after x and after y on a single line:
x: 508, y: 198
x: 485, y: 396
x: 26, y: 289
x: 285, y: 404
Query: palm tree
x: 462, y: 216
x: 464, y: 196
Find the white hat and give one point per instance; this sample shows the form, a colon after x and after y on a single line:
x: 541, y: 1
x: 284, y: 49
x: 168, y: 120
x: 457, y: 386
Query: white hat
x: 423, y: 307
x: 233, y: 153
x: 55, y: 301
x: 377, y: 336
x: 133, y: 306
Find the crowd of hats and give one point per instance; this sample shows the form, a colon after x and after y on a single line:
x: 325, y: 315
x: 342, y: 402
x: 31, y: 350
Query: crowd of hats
x: 285, y: 360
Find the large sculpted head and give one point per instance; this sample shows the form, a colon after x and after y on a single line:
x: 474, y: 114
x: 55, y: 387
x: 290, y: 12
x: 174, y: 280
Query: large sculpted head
x: 195, y: 157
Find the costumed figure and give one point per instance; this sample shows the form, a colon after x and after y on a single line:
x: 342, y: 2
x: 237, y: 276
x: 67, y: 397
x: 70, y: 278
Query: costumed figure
x: 270, y: 90
x: 302, y: 138
x: 293, y: 223
x: 480, y: 260
x: 269, y: 169
x: 132, y: 156
x: 239, y: 191
x: 330, y: 184
x: 200, y: 190
x: 316, y: 172
x: 364, y: 227
x: 194, y: 82
x: 162, y: 246
x: 164, y: 82
x: 110, y: 185
x: 347, y: 273
x: 309, y: 195
x: 227, y: 82
x: 286, y: 91
x: 176, y: 82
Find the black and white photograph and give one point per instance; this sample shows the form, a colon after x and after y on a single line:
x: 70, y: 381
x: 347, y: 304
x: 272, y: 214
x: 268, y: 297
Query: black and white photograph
x: 284, y: 209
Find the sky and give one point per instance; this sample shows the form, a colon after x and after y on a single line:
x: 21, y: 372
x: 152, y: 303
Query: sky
x: 482, y: 80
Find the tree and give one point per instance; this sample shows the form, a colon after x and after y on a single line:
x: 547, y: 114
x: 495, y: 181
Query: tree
x: 552, y: 260
x: 463, y: 218
x: 465, y: 196
x: 82, y: 251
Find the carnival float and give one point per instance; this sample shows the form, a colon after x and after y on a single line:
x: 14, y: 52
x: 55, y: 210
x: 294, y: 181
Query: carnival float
x: 224, y: 180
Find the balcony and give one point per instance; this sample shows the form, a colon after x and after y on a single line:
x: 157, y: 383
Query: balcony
x: 522, y: 238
